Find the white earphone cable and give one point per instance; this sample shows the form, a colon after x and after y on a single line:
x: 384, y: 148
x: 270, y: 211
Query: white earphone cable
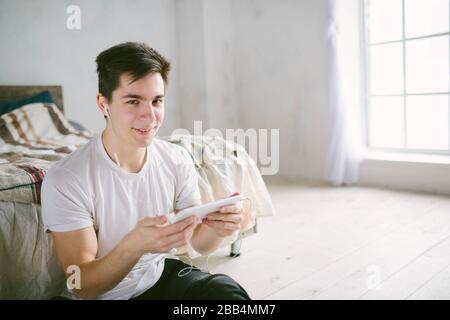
x: 191, y: 266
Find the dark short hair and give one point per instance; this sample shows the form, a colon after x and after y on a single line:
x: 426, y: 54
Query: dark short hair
x: 134, y: 58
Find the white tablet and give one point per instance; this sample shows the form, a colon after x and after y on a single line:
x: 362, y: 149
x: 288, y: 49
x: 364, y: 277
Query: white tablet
x: 202, y: 211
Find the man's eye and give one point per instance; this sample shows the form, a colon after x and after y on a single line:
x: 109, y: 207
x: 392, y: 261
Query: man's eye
x: 133, y: 102
x: 157, y: 102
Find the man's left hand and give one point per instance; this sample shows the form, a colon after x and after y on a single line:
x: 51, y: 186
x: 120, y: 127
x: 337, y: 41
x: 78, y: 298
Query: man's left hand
x: 226, y: 221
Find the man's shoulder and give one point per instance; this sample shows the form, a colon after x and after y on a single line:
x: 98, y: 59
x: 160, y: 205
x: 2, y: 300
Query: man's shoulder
x: 74, y: 164
x: 170, y: 150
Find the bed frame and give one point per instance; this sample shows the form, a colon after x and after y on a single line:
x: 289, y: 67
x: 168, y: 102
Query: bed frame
x: 10, y: 93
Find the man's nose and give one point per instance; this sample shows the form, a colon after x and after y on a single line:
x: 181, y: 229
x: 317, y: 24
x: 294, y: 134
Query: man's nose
x: 148, y: 112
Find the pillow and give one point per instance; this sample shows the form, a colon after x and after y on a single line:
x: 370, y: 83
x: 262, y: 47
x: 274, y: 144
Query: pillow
x: 44, y: 97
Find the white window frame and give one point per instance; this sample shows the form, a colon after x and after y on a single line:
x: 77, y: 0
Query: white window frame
x: 366, y: 85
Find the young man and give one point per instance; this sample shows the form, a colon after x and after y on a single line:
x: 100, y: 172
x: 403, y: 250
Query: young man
x: 106, y: 203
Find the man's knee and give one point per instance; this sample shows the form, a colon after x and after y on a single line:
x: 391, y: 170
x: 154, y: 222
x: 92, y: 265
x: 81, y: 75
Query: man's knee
x: 220, y: 286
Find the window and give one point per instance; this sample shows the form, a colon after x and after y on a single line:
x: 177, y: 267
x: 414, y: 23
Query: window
x: 407, y: 75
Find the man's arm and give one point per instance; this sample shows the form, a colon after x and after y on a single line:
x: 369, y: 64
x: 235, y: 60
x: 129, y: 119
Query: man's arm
x: 97, y: 276
x: 79, y: 248
x: 205, y: 240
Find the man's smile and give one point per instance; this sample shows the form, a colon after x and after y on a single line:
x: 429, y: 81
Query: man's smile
x: 144, y: 131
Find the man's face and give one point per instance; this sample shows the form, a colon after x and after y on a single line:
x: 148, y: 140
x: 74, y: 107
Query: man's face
x: 137, y: 109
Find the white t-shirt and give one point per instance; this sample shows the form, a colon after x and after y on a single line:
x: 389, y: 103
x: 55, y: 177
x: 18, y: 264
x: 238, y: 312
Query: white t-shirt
x: 87, y: 188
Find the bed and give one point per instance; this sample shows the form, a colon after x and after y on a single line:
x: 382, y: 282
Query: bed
x: 36, y: 135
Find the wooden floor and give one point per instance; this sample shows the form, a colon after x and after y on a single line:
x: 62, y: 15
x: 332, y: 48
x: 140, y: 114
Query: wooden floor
x: 344, y: 243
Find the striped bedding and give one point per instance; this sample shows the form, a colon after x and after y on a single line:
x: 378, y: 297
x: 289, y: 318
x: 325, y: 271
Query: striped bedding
x: 32, y: 138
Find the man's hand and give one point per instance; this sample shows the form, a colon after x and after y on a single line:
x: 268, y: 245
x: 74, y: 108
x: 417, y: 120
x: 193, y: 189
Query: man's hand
x: 153, y: 234
x: 227, y: 221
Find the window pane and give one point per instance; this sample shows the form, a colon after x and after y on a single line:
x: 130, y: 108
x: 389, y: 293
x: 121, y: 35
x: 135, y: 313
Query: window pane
x: 386, y: 69
x: 385, y: 20
x: 427, y: 122
x: 424, y: 17
x: 386, y: 122
x: 427, y: 68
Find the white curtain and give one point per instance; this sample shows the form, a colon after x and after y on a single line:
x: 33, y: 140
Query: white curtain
x: 343, y: 39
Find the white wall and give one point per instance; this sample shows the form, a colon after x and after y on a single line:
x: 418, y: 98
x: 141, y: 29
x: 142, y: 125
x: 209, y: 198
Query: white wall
x: 406, y: 175
x: 37, y: 48
x: 206, y: 71
x: 281, y: 77
x: 258, y: 64
x: 236, y: 64
x: 191, y: 57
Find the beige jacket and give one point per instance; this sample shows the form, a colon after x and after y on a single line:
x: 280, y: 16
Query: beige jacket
x: 225, y: 167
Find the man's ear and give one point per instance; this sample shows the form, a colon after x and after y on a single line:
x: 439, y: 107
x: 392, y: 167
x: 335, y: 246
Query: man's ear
x: 102, y: 104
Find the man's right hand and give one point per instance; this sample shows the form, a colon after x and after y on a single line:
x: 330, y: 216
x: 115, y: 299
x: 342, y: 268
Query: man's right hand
x: 153, y: 234
x: 98, y: 275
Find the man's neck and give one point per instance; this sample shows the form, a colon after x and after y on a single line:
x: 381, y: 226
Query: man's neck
x: 130, y: 158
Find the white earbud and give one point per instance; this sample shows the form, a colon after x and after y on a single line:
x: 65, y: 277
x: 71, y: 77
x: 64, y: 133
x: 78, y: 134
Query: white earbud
x: 107, y: 111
